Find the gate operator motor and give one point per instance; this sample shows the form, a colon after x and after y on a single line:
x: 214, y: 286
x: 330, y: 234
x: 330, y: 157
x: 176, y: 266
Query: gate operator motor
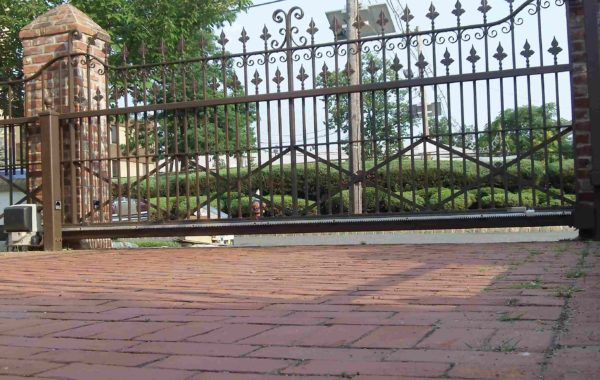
x: 23, y: 223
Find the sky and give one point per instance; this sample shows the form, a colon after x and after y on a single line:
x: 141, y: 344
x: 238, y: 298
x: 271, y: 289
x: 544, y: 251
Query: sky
x: 550, y: 24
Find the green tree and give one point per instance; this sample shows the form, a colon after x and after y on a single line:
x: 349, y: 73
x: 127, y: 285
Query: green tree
x: 152, y: 32
x: 385, y: 116
x: 130, y: 23
x: 439, y: 130
x: 518, y: 132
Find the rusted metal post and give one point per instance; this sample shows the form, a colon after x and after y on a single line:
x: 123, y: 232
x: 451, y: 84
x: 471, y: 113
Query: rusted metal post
x: 354, y: 109
x: 52, y: 203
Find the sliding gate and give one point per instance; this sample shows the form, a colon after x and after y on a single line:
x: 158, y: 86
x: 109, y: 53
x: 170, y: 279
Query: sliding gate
x: 459, y: 118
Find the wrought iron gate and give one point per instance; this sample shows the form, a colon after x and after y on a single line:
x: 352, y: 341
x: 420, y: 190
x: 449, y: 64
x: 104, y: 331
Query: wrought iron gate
x: 195, y: 143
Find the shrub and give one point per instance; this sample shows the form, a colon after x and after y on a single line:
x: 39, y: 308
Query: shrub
x: 313, y: 183
x: 451, y: 198
x: 375, y: 200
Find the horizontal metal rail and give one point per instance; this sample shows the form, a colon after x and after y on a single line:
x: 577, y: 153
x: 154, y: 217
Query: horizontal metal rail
x: 326, y: 91
x: 18, y: 121
x: 496, y: 219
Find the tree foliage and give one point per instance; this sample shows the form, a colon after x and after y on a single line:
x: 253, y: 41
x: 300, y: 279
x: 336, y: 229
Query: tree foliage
x: 152, y: 32
x: 130, y: 23
x: 385, y: 116
x: 529, y: 127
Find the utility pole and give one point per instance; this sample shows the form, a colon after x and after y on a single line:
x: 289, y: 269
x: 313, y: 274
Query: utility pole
x: 354, y: 109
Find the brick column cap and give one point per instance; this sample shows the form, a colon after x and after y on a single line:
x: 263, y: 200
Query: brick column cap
x: 60, y: 20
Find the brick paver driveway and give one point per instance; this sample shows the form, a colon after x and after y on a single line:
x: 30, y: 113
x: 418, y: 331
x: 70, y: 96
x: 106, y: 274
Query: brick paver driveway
x: 363, y: 312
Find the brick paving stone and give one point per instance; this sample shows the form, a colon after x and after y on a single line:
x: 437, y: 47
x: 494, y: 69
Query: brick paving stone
x: 176, y: 318
x: 393, y: 337
x: 300, y: 312
x: 247, y: 376
x: 14, y: 324
x: 287, y: 320
x: 521, y: 340
x: 66, y: 343
x: 46, y: 328
x: 191, y: 348
x: 457, y: 339
x: 331, y: 336
x: 25, y: 367
x: 12, y: 352
x: 108, y: 372
x: 485, y: 370
x: 352, y: 368
x: 199, y: 363
x: 582, y: 334
x: 456, y: 356
x: 306, y: 353
x: 180, y: 332
x: 114, y: 330
x: 97, y: 357
x: 574, y: 363
x: 230, y: 333
x: 375, y: 377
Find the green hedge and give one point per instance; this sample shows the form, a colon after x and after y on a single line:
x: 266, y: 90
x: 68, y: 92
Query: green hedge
x: 374, y: 200
x: 313, y: 183
x: 236, y: 205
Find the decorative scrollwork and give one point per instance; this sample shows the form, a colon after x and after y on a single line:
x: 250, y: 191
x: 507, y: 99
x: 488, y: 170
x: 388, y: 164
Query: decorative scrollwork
x: 447, y: 61
x: 359, y: 24
x: 302, y: 76
x: 348, y: 70
x: 312, y: 28
x: 432, y: 14
x: 485, y: 7
x: 421, y: 65
x: 406, y: 16
x: 325, y: 75
x: 244, y: 37
x: 500, y: 55
x: 473, y: 57
x: 458, y: 10
x: 288, y: 31
x: 98, y: 96
x: 527, y: 52
x: 335, y: 26
x: 555, y: 49
x: 382, y: 20
x: 396, y: 65
x: 372, y: 68
x: 256, y: 80
x: 278, y: 78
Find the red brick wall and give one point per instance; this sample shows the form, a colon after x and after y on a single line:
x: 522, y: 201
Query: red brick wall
x: 581, y: 114
x: 69, y: 84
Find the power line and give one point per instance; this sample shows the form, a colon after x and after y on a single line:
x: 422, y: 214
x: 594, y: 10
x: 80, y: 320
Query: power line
x: 267, y: 3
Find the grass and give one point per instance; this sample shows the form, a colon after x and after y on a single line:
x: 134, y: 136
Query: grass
x: 509, y: 345
x: 577, y: 273
x: 507, y: 317
x: 512, y: 302
x: 566, y: 291
x: 153, y: 243
x: 535, y: 284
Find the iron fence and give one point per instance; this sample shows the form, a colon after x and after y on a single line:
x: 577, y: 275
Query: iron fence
x: 204, y: 138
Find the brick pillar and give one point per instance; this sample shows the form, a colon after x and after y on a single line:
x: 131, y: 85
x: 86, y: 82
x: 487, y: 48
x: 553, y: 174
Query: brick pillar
x: 70, y: 83
x: 584, y: 44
